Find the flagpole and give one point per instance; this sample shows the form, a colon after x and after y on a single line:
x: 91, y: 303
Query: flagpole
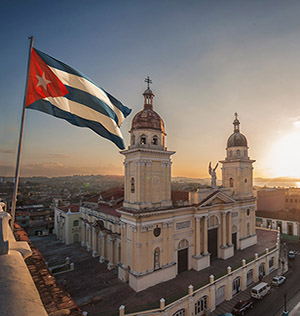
x: 15, y: 192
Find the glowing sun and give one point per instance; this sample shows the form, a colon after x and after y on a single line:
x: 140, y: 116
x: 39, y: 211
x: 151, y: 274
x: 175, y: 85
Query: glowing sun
x: 284, y: 158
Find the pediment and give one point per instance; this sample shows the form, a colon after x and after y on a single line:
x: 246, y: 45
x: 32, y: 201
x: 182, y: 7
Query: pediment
x: 217, y: 198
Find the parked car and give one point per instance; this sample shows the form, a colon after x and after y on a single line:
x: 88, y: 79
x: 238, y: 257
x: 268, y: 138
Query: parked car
x: 278, y: 280
x: 292, y: 254
x: 241, y: 307
x: 260, y: 290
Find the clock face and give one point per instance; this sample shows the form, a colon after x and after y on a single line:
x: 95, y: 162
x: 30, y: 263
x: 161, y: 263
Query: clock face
x: 155, y: 180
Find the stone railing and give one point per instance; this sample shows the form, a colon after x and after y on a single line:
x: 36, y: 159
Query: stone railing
x: 188, y: 301
x: 19, y: 295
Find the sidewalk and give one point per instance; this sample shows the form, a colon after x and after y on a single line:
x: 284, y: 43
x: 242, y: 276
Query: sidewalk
x: 227, y: 306
x: 295, y: 302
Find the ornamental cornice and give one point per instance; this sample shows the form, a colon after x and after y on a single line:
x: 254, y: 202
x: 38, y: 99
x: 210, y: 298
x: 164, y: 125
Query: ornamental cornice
x: 147, y: 150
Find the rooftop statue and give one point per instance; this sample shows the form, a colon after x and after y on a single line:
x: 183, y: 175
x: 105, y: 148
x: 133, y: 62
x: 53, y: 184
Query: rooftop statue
x: 212, y: 172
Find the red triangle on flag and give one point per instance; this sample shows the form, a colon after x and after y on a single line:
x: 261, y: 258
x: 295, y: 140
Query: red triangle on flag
x: 42, y: 82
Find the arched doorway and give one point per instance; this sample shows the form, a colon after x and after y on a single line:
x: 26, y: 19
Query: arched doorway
x: 220, y: 295
x: 261, y: 270
x: 236, y: 285
x: 212, y: 226
x: 234, y: 236
x: 76, y: 238
x: 182, y: 256
x: 250, y: 277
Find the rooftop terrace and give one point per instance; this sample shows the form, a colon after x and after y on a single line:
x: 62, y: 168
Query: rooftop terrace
x: 100, y: 292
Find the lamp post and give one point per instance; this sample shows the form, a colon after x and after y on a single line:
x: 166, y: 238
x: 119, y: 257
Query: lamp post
x: 285, y: 312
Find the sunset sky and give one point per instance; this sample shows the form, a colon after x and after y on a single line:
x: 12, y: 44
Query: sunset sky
x: 207, y: 60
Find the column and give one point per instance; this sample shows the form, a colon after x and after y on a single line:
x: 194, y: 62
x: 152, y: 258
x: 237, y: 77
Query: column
x: 197, y: 236
x: 110, y: 252
x: 229, y: 239
x: 90, y: 238
x: 252, y: 218
x: 133, y: 248
x: 95, y: 242
x: 123, y: 244
x: 205, y: 239
x: 245, y: 223
x: 223, y: 229
x: 83, y: 233
x: 102, y: 247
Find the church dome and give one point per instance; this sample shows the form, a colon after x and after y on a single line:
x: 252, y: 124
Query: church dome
x: 237, y: 139
x: 148, y: 118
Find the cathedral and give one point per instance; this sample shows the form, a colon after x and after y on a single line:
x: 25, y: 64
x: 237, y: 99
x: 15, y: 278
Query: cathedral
x: 151, y: 233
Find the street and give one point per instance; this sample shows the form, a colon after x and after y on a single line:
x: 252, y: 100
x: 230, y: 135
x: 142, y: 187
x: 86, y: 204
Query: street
x: 273, y: 303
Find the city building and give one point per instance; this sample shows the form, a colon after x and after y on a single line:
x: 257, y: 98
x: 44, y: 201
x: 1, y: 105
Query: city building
x: 288, y: 223
x: 67, y: 226
x: 35, y: 219
x: 152, y: 234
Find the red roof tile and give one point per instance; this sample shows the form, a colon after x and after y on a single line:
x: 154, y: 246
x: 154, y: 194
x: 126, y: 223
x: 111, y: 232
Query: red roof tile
x: 52, y: 295
x: 288, y: 216
x: 107, y: 209
x: 179, y: 195
x: 73, y: 208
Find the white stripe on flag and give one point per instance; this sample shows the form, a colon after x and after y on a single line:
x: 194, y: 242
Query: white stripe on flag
x: 87, y: 86
x: 86, y: 113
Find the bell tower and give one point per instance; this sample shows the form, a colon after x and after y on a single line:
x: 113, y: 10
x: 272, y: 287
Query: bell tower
x: 147, y: 160
x: 237, y: 170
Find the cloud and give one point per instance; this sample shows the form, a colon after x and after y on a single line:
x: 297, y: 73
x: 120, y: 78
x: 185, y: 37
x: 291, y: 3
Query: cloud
x: 296, y: 124
x: 7, y: 151
x: 59, y: 156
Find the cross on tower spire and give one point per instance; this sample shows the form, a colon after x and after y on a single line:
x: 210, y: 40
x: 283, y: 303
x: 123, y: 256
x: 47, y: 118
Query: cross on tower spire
x: 148, y: 81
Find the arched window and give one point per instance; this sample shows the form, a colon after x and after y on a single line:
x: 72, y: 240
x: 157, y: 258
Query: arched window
x: 180, y: 312
x: 76, y: 222
x: 238, y: 153
x: 155, y: 140
x: 143, y: 140
x: 133, y: 139
x: 201, y: 305
x: 230, y: 153
x: 132, y: 186
x: 212, y: 221
x: 248, y: 229
x: 231, y: 182
x: 183, y: 244
x: 156, y: 258
x: 245, y: 180
x: 245, y: 153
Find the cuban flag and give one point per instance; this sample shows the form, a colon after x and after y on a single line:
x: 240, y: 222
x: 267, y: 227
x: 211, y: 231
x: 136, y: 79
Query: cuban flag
x: 59, y: 90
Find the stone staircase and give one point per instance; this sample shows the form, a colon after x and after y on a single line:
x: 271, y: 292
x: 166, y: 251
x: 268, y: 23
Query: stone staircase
x: 227, y: 306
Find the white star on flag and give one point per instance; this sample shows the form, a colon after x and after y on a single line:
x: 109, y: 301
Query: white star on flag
x: 42, y: 81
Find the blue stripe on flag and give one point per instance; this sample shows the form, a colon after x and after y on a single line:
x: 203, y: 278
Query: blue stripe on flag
x: 47, y: 107
x: 91, y: 101
x: 118, y: 104
x: 52, y: 62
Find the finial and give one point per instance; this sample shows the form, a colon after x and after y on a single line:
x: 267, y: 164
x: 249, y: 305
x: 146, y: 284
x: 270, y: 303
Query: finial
x: 148, y: 81
x: 236, y: 123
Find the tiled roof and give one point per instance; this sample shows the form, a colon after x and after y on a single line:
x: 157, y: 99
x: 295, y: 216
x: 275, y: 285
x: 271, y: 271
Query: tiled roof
x: 73, y: 208
x: 107, y: 209
x: 179, y: 195
x: 209, y: 196
x: 288, y: 216
x: 117, y: 193
x: 54, y: 298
